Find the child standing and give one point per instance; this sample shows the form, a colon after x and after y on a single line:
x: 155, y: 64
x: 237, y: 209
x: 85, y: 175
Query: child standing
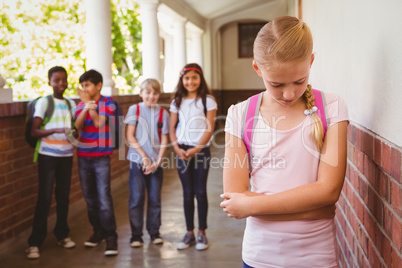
x: 55, y: 161
x: 296, y: 172
x: 94, y: 152
x: 147, y: 133
x: 193, y: 110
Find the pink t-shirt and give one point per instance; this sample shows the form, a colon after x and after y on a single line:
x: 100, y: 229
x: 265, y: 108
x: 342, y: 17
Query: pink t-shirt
x: 282, y: 160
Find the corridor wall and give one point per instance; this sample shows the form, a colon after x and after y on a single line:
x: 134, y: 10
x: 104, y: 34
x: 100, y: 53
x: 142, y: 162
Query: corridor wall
x: 357, y: 49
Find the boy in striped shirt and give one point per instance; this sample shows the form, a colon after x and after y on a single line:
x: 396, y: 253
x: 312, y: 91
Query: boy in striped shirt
x: 94, y: 150
x: 55, y: 162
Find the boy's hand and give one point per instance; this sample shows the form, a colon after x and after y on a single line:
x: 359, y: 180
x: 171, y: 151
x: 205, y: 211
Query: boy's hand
x: 90, y: 105
x: 146, y: 165
x: 84, y: 96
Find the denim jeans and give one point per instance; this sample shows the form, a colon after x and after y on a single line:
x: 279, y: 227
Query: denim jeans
x: 152, y: 184
x: 193, y: 174
x: 95, y: 184
x: 52, y: 169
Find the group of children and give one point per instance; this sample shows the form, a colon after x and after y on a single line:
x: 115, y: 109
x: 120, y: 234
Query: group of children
x: 147, y: 135
x: 289, y: 204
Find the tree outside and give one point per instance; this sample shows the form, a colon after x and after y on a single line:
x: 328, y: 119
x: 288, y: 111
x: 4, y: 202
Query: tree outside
x: 36, y: 35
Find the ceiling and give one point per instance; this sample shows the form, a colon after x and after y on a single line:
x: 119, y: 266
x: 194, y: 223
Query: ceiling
x: 210, y: 9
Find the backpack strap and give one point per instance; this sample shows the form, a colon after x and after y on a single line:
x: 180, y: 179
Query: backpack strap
x: 137, y: 114
x: 249, y: 118
x: 320, y: 103
x: 160, y: 123
x: 46, y: 118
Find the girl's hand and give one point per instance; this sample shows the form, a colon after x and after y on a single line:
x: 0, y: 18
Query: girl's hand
x: 150, y: 169
x: 236, y: 205
x: 192, y: 152
x: 182, y: 154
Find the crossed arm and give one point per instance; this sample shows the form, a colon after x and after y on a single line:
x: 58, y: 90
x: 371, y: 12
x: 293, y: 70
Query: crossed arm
x: 311, y: 201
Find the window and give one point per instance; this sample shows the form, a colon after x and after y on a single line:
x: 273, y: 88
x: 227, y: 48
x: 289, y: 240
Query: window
x: 247, y: 34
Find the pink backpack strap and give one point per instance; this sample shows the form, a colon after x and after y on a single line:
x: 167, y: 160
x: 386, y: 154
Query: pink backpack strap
x: 320, y: 103
x: 252, y: 108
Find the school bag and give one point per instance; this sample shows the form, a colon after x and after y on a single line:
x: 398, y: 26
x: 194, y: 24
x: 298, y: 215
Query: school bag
x: 35, y: 142
x: 253, y: 104
x: 115, y: 122
x: 160, y: 120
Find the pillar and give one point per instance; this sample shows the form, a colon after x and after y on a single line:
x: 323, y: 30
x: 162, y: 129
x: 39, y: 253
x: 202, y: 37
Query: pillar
x: 98, y: 42
x: 179, y: 44
x: 150, y: 39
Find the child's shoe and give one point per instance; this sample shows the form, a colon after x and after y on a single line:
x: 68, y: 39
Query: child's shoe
x: 156, y: 239
x: 111, y: 247
x: 93, y: 241
x: 202, y: 242
x: 32, y: 253
x: 66, y: 243
x: 188, y: 240
x: 136, y: 241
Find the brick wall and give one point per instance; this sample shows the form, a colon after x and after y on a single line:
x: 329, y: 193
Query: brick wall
x: 369, y: 210
x: 18, y: 175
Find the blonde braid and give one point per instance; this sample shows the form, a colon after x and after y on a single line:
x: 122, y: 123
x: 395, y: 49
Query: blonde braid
x: 317, y: 131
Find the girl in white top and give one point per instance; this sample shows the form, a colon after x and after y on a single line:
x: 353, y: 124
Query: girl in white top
x: 192, y: 123
x: 296, y: 172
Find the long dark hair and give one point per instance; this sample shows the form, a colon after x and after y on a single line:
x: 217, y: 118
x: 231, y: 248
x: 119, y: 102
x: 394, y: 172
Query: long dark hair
x: 202, y: 90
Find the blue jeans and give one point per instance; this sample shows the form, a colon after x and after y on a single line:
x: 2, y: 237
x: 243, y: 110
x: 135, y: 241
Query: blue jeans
x: 95, y: 184
x: 139, y: 183
x: 193, y: 175
x: 52, y: 170
x: 245, y: 265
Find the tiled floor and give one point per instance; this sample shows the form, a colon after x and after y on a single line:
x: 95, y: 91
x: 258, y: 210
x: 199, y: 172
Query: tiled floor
x: 224, y: 234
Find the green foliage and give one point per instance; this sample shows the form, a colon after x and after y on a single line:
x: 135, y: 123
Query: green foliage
x: 36, y: 35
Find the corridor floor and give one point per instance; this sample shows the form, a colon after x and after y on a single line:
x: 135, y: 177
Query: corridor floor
x: 224, y: 234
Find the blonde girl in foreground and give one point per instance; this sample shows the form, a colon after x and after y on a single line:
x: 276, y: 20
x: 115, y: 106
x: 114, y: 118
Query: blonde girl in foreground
x: 296, y: 172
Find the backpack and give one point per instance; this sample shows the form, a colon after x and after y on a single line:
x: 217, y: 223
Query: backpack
x: 35, y: 142
x: 253, y: 106
x: 160, y: 121
x: 115, y: 122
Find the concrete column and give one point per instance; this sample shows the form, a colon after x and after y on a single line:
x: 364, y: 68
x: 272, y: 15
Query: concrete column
x: 179, y: 44
x: 98, y: 42
x: 150, y: 39
x: 196, y: 50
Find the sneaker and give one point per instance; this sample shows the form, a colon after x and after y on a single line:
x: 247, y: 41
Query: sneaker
x: 136, y: 241
x: 93, y: 241
x: 202, y: 242
x: 156, y: 239
x: 111, y: 247
x: 187, y: 241
x: 32, y: 253
x: 66, y: 243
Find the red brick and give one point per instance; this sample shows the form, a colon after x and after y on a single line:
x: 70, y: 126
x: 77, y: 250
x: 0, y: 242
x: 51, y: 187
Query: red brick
x: 351, y: 152
x: 396, y: 164
x: 396, y: 260
x: 386, y: 158
x: 359, y: 156
x: 373, y: 257
x: 388, y: 221
x: 397, y: 233
x: 367, y: 143
x: 377, y: 151
x: 386, y: 252
x: 358, y: 143
x: 385, y: 186
x: 396, y: 197
x: 363, y: 188
x: 369, y: 171
x: 369, y: 225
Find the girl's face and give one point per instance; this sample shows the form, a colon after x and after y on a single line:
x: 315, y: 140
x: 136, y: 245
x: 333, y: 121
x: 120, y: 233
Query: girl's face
x: 286, y: 82
x: 191, y: 82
